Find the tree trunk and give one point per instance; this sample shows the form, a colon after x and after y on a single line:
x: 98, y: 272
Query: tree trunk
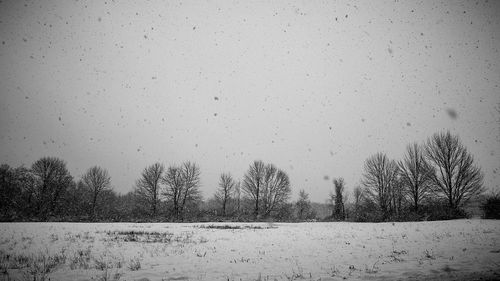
x: 154, y: 203
x: 256, y: 211
x: 224, y: 208
x: 94, y: 200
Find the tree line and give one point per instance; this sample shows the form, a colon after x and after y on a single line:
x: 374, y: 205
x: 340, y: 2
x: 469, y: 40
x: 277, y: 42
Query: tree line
x: 434, y: 180
x: 437, y: 178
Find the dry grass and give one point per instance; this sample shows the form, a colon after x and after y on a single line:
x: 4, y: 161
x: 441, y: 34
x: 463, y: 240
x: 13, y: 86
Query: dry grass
x: 227, y: 226
x: 140, y: 236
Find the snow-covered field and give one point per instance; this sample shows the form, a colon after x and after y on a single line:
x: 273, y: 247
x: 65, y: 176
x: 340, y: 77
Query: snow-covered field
x: 460, y: 249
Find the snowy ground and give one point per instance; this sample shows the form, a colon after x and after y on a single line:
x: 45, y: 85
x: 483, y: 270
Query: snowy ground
x: 451, y: 250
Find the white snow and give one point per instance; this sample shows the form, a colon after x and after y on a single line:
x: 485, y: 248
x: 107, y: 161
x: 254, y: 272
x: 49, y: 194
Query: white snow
x: 458, y: 249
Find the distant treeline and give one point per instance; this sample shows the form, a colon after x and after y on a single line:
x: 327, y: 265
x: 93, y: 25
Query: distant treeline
x: 435, y: 180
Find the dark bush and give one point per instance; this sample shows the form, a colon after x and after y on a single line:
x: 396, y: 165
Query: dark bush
x: 366, y: 211
x: 439, y: 210
x: 491, y: 207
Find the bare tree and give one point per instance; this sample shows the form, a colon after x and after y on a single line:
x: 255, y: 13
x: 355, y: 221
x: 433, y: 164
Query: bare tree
x: 415, y: 174
x: 174, y: 187
x: 455, y: 175
x: 276, y: 189
x: 96, y: 180
x: 237, y: 195
x: 224, y: 193
x: 339, y: 211
x: 182, y: 186
x: 148, y: 186
x: 191, y: 176
x: 267, y: 187
x: 358, y: 195
x: 303, y: 205
x: 9, y: 191
x: 397, y: 196
x: 20, y: 192
x: 52, y: 179
x: 252, y: 183
x: 379, y: 178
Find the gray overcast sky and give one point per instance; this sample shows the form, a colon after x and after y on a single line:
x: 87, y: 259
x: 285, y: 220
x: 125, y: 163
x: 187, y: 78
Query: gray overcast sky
x: 314, y: 87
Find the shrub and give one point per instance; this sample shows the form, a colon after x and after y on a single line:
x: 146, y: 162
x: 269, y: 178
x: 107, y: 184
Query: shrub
x: 491, y: 207
x: 80, y: 259
x: 135, y: 264
x: 439, y: 210
x: 366, y: 211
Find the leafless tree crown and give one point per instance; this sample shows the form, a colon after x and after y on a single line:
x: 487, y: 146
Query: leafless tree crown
x: 415, y: 174
x: 224, y: 193
x: 379, y: 177
x: 252, y: 182
x: 182, y: 186
x: 276, y: 189
x: 303, y: 205
x: 456, y: 176
x: 52, y: 179
x: 96, y: 180
x: 267, y: 186
x: 149, y: 184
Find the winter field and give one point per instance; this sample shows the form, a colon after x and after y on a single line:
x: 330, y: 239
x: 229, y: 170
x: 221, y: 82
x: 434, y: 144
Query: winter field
x: 449, y: 250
